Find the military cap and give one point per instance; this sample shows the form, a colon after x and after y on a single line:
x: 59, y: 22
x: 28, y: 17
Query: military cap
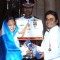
x: 27, y: 3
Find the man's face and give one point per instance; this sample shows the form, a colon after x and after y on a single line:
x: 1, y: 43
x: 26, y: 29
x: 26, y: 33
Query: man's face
x: 51, y: 21
x: 28, y: 11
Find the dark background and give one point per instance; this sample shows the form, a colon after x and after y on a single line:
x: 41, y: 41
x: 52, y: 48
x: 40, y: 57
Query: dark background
x: 15, y: 8
x: 12, y: 9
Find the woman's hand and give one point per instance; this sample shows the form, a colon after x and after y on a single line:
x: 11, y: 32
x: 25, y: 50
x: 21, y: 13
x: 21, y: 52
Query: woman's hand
x: 28, y: 51
x: 25, y: 45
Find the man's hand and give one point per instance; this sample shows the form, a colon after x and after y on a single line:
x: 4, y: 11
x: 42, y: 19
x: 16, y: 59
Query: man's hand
x: 28, y: 52
x: 42, y: 55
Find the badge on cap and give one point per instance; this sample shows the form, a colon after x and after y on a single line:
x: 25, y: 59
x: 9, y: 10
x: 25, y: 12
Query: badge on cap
x: 27, y: 1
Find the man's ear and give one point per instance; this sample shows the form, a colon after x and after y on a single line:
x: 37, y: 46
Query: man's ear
x: 56, y: 21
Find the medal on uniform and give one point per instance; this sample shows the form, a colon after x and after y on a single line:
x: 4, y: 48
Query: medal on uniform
x: 34, y: 23
x: 49, y: 49
x: 28, y: 27
x: 49, y: 46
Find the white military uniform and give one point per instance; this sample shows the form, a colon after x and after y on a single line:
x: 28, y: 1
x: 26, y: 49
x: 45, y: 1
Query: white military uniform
x: 27, y: 25
x: 51, y: 44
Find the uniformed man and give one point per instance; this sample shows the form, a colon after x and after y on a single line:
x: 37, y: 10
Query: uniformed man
x: 29, y: 26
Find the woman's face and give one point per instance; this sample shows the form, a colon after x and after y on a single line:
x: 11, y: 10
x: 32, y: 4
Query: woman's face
x: 50, y: 21
x: 11, y: 25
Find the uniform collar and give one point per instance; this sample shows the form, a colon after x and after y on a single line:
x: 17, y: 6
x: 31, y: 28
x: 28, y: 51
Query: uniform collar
x: 32, y: 18
x: 28, y: 17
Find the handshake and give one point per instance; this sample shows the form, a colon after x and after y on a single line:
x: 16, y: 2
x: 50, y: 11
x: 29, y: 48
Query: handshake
x: 33, y: 49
